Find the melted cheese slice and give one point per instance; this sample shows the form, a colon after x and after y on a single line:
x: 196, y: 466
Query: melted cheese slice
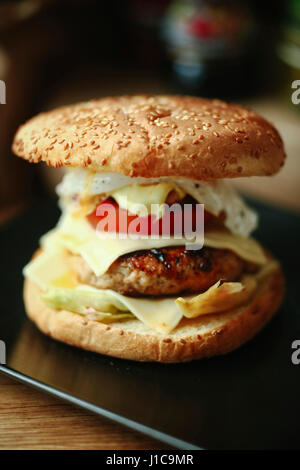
x: 77, y: 235
x: 245, y: 247
x: 136, y: 198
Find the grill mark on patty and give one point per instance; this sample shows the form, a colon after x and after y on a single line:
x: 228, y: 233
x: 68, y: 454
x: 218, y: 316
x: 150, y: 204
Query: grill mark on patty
x: 166, y: 271
x: 201, y: 259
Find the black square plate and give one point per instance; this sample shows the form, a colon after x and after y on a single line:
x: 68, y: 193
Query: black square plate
x: 246, y: 399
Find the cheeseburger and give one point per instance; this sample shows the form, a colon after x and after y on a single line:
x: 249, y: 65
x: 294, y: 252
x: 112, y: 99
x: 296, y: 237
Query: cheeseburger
x: 113, y: 276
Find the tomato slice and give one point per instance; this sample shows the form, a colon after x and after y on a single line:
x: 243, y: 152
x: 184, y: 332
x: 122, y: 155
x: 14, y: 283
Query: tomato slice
x: 110, y: 212
x: 109, y: 217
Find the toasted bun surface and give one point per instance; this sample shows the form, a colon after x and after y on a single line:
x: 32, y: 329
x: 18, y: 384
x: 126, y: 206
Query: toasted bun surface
x: 153, y: 136
x: 205, y: 336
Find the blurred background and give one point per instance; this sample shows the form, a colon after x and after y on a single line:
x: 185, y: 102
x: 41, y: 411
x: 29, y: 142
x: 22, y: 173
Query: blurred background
x: 55, y: 52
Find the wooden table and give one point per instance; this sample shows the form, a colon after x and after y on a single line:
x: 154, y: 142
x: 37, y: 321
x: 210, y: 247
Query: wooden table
x: 33, y: 420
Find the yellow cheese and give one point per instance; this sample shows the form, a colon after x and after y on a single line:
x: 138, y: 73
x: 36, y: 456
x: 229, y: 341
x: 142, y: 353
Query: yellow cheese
x: 44, y: 269
x: 245, y: 247
x: 136, y: 198
x: 66, y: 280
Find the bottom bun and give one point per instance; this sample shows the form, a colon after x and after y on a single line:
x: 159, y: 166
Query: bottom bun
x: 197, y: 338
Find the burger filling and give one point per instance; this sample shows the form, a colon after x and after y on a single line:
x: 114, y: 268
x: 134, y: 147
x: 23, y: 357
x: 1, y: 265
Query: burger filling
x: 110, y: 277
x: 165, y: 271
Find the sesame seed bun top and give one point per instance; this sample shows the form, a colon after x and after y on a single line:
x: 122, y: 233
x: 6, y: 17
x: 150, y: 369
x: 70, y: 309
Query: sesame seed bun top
x: 153, y: 136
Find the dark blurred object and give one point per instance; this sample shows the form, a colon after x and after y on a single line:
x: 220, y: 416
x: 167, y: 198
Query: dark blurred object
x: 289, y: 45
x: 213, y: 46
x: 55, y: 52
x: 41, y: 43
x: 146, y: 18
x: 21, y: 56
